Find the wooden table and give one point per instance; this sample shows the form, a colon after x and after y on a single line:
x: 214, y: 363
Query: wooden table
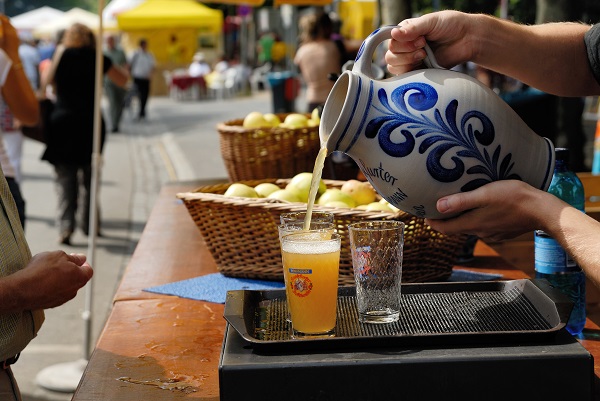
x: 156, y: 347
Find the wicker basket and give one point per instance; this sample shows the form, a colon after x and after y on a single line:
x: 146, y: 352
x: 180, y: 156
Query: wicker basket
x: 254, y: 154
x: 242, y: 235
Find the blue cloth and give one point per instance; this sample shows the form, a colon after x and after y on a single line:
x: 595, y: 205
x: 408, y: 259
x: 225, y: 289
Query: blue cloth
x: 468, y: 275
x: 212, y: 287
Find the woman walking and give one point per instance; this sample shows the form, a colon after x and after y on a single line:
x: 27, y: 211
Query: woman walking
x: 71, y: 129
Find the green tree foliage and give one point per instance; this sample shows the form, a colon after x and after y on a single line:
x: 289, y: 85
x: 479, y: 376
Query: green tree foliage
x: 522, y: 11
x: 476, y: 6
x: 16, y: 7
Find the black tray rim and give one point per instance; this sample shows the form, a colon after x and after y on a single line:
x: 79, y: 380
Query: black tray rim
x: 552, y: 298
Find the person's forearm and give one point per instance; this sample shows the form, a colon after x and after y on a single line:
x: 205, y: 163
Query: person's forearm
x: 20, y: 97
x: 577, y: 233
x: 9, y: 294
x: 551, y: 57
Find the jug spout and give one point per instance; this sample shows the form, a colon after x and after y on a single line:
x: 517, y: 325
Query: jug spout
x: 341, y: 116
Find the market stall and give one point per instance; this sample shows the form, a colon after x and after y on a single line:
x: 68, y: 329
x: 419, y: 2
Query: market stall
x: 30, y: 20
x: 174, y: 30
x: 50, y: 28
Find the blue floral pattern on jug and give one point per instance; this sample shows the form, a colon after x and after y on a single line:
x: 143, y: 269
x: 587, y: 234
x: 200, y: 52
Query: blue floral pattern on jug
x: 443, y: 134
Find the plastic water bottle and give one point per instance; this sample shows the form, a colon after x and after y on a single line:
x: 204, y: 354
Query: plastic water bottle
x: 551, y: 261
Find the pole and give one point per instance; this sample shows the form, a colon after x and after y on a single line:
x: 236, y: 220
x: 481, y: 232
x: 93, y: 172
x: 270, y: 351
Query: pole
x: 504, y: 9
x: 65, y: 377
x: 96, y: 165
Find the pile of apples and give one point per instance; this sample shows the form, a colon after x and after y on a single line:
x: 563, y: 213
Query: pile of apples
x: 257, y: 119
x: 352, y: 194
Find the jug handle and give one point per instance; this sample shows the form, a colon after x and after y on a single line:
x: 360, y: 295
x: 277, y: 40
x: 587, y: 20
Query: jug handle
x: 363, y: 61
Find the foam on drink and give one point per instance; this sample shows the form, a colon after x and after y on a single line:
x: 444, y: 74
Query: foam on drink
x: 311, y: 247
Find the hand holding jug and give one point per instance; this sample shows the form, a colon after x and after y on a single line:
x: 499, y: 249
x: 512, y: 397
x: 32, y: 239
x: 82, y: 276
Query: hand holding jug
x: 429, y: 133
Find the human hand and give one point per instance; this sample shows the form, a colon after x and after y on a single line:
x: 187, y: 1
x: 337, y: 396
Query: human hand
x: 446, y: 32
x: 499, y: 210
x: 49, y: 280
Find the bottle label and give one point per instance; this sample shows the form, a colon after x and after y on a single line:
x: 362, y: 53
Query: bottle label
x: 550, y: 257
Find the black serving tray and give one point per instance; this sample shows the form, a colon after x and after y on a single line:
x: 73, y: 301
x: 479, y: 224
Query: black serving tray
x: 431, y: 313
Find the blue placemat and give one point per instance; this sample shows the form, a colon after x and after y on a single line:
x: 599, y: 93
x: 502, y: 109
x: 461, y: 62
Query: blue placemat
x: 212, y: 287
x: 468, y: 275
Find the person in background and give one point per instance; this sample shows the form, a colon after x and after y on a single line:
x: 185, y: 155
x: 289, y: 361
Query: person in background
x: 8, y: 130
x: 13, y: 139
x: 11, y: 145
x: 317, y: 57
x: 28, y: 285
x: 115, y: 93
x: 264, y: 47
x: 558, y: 58
x: 30, y: 58
x: 175, y: 52
x: 142, y: 66
x: 222, y: 64
x: 45, y: 65
x: 71, y: 127
x: 46, y: 49
x: 199, y: 67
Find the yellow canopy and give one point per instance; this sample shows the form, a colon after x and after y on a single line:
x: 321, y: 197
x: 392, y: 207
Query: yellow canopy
x: 302, y: 2
x: 158, y: 14
x: 253, y: 3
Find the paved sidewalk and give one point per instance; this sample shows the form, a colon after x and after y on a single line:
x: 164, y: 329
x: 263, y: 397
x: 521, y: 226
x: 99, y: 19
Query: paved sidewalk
x: 179, y: 141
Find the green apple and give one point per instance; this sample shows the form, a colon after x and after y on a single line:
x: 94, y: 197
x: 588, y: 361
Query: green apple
x: 243, y: 190
x: 296, y: 120
x: 361, y: 191
x: 265, y: 189
x: 336, y: 204
x: 392, y: 207
x: 334, y: 195
x: 272, y: 119
x: 285, y: 195
x: 301, y: 184
x: 377, y: 206
x: 314, y: 116
x: 255, y: 119
x: 315, y: 119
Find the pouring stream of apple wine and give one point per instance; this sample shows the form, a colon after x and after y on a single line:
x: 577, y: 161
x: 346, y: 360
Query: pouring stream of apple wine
x: 314, y: 185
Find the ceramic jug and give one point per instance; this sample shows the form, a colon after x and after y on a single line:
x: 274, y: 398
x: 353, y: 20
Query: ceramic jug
x: 429, y: 133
